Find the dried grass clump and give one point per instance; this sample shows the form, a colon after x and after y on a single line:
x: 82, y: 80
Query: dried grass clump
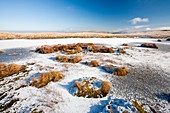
x: 87, y: 88
x: 1, y: 52
x: 70, y: 59
x: 75, y: 50
x: 138, y: 106
x: 8, y: 70
x: 93, y: 63
x: 121, y: 50
x: 110, y: 61
x: 100, y: 49
x: 106, y: 85
x: 125, y: 44
x: 118, y: 71
x: 45, y: 78
x: 105, y: 49
x: 121, y: 71
x: 62, y: 58
x: 149, y: 45
x: 45, y: 49
x: 76, y: 59
x: 93, y: 48
x: 83, y: 45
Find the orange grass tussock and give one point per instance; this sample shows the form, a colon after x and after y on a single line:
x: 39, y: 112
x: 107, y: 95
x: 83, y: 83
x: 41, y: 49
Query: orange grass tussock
x: 45, y: 78
x: 69, y: 59
x: 8, y: 70
x: 86, y: 88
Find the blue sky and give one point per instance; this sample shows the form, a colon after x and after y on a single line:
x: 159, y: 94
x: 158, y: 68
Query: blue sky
x: 83, y: 15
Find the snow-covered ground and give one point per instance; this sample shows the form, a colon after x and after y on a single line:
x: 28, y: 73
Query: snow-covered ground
x: 23, y: 43
x: 148, y: 80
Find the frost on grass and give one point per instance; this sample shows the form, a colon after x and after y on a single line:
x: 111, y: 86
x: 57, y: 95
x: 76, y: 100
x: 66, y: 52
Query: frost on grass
x: 45, y: 78
x: 119, y: 105
x: 90, y: 87
x: 8, y: 70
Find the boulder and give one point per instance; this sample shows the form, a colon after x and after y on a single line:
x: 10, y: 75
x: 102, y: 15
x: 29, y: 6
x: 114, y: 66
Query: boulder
x: 159, y: 40
x: 168, y: 39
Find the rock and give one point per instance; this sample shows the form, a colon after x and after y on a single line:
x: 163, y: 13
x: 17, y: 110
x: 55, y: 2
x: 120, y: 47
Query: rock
x: 149, y: 45
x: 168, y: 39
x: 159, y: 40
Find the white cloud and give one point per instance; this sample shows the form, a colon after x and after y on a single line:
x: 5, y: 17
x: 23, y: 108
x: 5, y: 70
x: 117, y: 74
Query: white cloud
x: 139, y: 27
x: 138, y: 20
x: 148, y: 28
x: 163, y: 28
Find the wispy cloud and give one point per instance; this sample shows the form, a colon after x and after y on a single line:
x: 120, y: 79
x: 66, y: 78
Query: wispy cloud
x: 138, y: 20
x: 159, y: 28
x: 141, y: 26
